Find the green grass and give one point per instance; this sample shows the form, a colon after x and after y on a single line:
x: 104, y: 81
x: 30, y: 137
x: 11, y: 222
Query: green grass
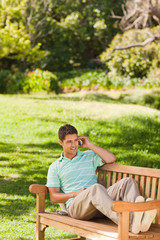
x: 29, y: 144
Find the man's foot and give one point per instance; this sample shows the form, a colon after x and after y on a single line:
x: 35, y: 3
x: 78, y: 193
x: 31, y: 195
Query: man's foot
x: 137, y: 217
x: 148, y: 218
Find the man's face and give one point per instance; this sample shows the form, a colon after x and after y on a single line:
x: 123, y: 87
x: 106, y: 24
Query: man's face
x: 70, y: 144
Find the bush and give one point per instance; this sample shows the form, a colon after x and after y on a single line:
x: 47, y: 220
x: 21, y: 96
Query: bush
x: 10, y: 82
x: 135, y: 62
x: 85, y: 79
x: 27, y: 82
x: 4, y: 80
x: 100, y: 79
x: 37, y: 81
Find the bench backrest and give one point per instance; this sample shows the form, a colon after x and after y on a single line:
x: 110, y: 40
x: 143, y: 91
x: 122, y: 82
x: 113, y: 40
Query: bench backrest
x: 148, y: 179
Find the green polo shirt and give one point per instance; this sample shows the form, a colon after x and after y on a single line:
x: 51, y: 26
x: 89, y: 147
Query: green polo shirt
x: 73, y: 175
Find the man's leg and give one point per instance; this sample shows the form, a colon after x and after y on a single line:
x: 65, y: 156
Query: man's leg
x: 125, y: 190
x: 99, y: 198
x: 94, y: 198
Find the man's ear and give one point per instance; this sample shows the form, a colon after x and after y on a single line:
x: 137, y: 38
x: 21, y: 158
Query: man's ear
x: 60, y: 142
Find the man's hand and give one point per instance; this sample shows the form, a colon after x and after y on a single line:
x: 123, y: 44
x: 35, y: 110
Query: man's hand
x: 85, y: 141
x: 78, y: 192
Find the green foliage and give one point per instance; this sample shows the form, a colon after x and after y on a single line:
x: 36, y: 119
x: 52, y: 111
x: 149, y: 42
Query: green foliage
x: 135, y: 62
x: 4, y: 75
x: 99, y: 79
x: 37, y: 81
x: 27, y: 82
x: 10, y: 82
x: 75, y: 80
x: 73, y: 32
x: 154, y: 76
x: 84, y: 79
x: 17, y: 45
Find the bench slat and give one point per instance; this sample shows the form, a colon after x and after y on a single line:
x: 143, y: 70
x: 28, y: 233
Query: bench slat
x: 109, y: 179
x: 136, y: 178
x: 142, y: 182
x: 148, y: 185
x: 114, y: 177
x: 153, y: 188
x: 158, y: 197
x: 124, y: 175
x: 119, y: 176
x: 132, y: 170
x: 104, y: 178
x: 100, y: 176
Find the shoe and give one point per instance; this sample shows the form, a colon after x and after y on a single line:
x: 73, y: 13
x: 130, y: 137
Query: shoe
x: 148, y: 218
x: 137, y: 217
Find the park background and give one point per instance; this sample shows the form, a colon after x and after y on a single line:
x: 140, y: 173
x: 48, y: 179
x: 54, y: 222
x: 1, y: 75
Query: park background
x: 93, y: 64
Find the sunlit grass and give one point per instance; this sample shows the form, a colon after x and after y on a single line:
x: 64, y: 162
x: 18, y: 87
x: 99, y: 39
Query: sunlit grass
x: 29, y: 144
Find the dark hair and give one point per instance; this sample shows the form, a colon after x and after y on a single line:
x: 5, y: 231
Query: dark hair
x: 66, y: 129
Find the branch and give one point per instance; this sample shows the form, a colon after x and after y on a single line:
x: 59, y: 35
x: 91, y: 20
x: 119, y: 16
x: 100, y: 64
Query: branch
x: 142, y: 44
x: 114, y: 16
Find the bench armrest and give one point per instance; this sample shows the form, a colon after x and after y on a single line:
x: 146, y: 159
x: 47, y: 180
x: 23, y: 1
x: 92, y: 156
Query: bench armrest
x: 120, y: 206
x: 38, y: 188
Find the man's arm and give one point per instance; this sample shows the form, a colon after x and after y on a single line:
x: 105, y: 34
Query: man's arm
x: 57, y: 197
x: 107, y: 156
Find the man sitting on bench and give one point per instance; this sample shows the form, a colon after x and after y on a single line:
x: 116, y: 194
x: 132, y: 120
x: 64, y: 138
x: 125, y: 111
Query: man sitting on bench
x: 72, y: 180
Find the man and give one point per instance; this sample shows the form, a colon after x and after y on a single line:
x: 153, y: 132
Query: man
x: 72, y: 180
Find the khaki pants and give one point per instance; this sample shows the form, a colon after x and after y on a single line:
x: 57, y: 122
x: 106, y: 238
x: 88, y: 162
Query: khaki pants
x: 97, y: 199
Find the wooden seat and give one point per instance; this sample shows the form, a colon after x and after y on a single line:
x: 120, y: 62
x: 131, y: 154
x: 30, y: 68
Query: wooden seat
x: 103, y: 229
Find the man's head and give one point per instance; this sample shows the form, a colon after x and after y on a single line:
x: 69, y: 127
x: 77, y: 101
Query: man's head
x: 65, y: 130
x: 68, y: 139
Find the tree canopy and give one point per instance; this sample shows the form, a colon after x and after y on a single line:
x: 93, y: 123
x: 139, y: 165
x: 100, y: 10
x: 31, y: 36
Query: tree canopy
x: 55, y: 35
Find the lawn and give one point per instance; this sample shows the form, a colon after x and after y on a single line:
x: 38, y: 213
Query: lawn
x: 29, y: 144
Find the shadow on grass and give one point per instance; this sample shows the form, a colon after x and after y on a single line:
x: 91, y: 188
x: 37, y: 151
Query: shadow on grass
x: 99, y: 97
x: 15, y: 187
x: 135, y: 140
x: 143, y: 98
x: 16, y: 199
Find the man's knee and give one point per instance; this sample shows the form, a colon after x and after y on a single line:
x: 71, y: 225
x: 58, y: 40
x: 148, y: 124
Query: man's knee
x: 97, y: 187
x: 129, y: 179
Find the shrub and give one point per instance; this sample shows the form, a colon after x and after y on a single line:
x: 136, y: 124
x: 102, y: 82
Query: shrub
x: 37, y: 81
x: 10, y: 82
x: 154, y: 76
x: 86, y: 79
x: 27, y: 82
x: 135, y: 62
x: 4, y: 80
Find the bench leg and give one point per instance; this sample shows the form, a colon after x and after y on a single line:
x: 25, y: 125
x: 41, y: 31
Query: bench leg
x: 40, y: 229
x: 40, y: 235
x: 123, y: 226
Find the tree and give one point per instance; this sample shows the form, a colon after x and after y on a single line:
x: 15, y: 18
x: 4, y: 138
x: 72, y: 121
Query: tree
x: 15, y: 42
x: 139, y: 14
x: 73, y: 32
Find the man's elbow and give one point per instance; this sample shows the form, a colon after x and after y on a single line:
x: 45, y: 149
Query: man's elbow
x: 53, y: 199
x: 113, y: 159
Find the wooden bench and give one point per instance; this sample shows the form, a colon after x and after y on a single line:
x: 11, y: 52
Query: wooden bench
x: 148, y: 180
